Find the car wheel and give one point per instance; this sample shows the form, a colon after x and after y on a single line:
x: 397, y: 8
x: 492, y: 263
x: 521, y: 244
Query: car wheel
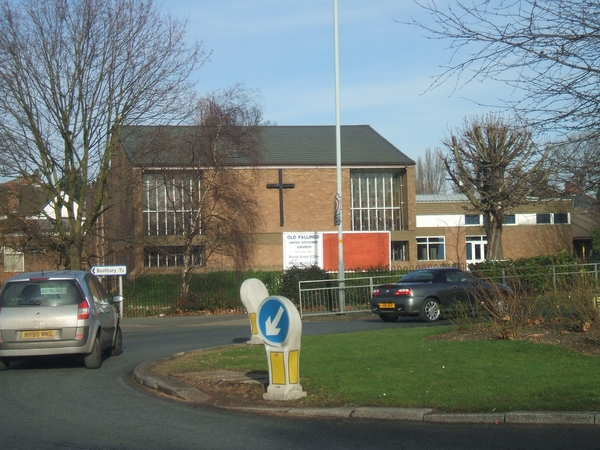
x: 118, y: 347
x: 3, y: 364
x: 388, y: 317
x: 94, y: 359
x: 430, y: 310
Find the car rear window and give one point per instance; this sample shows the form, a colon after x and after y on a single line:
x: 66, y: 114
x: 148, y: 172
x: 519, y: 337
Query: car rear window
x: 418, y: 277
x: 40, y: 292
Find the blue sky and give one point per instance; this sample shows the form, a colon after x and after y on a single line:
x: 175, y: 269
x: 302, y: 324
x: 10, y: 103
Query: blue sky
x: 285, y: 50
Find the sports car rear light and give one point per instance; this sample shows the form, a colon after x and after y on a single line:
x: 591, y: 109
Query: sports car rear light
x: 403, y: 291
x: 83, y: 311
x: 375, y: 292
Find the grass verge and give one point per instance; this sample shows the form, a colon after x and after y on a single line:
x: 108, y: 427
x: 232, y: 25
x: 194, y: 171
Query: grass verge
x: 400, y: 367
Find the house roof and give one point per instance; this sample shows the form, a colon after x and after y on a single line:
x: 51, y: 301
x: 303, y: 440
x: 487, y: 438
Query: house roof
x: 21, y: 197
x: 361, y: 146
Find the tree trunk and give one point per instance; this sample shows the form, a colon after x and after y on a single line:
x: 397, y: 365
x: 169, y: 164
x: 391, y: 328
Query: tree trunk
x: 186, y: 270
x: 74, y: 253
x: 493, y: 229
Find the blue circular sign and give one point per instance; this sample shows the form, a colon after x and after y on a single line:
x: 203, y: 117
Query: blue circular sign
x: 274, y: 321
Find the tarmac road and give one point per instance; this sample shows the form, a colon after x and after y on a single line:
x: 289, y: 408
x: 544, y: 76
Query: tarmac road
x: 55, y: 403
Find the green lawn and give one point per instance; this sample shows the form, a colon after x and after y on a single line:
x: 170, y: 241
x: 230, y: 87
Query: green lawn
x: 399, y: 367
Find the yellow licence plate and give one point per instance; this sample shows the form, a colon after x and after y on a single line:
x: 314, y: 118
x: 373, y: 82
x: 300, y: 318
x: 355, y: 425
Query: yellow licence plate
x: 387, y: 305
x: 39, y: 334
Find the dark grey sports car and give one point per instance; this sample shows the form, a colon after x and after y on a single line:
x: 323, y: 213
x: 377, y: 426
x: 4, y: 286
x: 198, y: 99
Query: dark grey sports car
x: 426, y: 292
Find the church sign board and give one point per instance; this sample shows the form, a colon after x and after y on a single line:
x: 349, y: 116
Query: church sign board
x: 362, y: 249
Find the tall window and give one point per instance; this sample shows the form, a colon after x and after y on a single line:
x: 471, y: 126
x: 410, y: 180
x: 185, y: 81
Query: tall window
x: 399, y: 251
x: 376, y: 201
x: 430, y: 248
x: 169, y: 203
x: 476, y: 248
x: 14, y: 261
x: 171, y: 256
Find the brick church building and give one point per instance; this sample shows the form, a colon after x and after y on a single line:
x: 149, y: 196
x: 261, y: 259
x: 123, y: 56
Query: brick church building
x: 294, y: 183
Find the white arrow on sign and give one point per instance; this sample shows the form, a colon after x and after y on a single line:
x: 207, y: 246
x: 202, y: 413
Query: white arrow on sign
x: 271, y: 325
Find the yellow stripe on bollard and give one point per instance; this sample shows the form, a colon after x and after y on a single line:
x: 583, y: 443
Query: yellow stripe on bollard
x: 277, y: 368
x: 253, y: 325
x: 293, y: 366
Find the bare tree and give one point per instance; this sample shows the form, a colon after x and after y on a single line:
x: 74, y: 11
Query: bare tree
x: 211, y: 190
x: 497, y: 167
x: 546, y: 50
x: 431, y: 173
x: 576, y: 160
x: 72, y: 73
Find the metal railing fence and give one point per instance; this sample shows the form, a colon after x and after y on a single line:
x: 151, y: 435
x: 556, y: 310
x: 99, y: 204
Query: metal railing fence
x: 319, y: 300
x: 219, y: 292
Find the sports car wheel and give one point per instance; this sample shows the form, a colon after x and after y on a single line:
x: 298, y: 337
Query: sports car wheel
x: 388, y: 317
x: 430, y: 310
x: 3, y: 364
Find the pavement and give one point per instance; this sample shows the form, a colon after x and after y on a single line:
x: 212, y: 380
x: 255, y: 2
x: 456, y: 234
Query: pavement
x: 145, y: 376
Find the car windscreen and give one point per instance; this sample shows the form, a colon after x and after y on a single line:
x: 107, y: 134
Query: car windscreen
x: 40, y: 292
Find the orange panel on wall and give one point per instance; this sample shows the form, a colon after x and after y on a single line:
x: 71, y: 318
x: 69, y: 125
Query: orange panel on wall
x: 361, y: 250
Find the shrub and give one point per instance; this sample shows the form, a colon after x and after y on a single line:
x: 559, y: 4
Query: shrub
x: 292, y: 276
x: 534, y: 274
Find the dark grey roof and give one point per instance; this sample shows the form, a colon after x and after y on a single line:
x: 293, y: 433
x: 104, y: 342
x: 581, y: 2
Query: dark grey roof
x: 286, y: 145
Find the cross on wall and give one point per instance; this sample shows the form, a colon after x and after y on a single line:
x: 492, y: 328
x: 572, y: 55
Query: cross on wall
x: 281, y: 186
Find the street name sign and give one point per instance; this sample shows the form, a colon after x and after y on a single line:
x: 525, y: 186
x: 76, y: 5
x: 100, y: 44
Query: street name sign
x: 102, y: 271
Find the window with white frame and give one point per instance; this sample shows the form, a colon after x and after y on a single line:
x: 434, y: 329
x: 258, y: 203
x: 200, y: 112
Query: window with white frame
x: 476, y: 248
x: 543, y: 218
x: 170, y: 201
x: 472, y: 219
x: 171, y: 256
x: 552, y: 218
x: 14, y: 261
x: 560, y: 218
x: 431, y: 248
x: 376, y: 201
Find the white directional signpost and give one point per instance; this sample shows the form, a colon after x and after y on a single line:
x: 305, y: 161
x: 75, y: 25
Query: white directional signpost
x: 252, y: 293
x: 112, y: 271
x: 280, y: 327
x: 101, y: 271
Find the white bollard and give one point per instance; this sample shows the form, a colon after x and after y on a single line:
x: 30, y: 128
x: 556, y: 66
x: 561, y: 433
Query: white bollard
x: 280, y: 328
x: 252, y: 293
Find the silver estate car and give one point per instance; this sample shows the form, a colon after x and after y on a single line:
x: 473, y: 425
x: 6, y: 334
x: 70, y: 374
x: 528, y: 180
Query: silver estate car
x: 56, y: 313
